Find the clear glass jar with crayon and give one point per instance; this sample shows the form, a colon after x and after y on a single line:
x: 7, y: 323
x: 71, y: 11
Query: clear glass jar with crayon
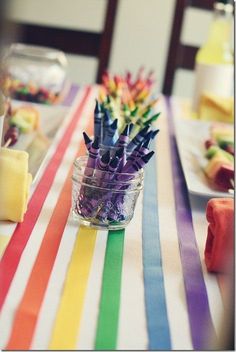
x: 34, y: 73
x: 102, y: 199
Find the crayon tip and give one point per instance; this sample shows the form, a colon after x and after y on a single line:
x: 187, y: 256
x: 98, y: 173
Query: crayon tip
x: 154, y: 133
x: 108, y: 99
x: 144, y: 131
x: 114, y: 124
x: 149, y: 135
x: 97, y: 107
x: 134, y: 112
x: 126, y: 131
x: 120, y: 152
x: 106, y: 157
x: 95, y: 144
x: 146, y: 143
x: 114, y: 162
x: 147, y: 157
x: 86, y: 138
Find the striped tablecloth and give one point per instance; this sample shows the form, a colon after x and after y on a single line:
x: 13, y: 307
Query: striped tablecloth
x: 68, y: 287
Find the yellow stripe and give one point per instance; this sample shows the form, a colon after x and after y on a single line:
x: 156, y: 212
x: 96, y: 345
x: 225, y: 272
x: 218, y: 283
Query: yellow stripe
x: 66, y: 328
x: 3, y: 243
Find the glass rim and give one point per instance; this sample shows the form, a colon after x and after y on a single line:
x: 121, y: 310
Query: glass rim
x: 135, y: 176
x: 113, y: 190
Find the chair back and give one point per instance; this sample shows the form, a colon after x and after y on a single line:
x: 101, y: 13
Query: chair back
x: 181, y: 55
x: 78, y: 42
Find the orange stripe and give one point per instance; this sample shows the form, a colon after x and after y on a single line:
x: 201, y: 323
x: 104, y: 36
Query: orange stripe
x: 27, y: 312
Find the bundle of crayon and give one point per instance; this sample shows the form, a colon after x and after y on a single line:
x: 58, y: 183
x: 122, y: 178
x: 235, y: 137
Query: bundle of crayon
x: 130, y: 89
x: 129, y: 99
x: 111, y: 175
x: 108, y: 127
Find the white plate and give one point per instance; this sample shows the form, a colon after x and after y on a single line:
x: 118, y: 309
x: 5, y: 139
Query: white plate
x: 50, y: 120
x: 190, y: 136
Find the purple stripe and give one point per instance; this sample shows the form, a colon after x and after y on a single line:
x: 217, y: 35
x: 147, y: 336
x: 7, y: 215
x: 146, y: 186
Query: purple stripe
x: 71, y: 95
x: 201, y: 326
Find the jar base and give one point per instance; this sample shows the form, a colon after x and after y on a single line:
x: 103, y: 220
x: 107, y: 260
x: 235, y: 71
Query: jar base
x: 99, y: 226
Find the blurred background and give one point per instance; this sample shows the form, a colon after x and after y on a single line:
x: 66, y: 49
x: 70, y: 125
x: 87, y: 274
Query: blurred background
x: 142, y: 30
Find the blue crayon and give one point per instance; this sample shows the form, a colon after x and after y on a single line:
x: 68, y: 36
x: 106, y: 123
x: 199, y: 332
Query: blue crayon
x: 98, y: 115
x: 111, y: 134
x: 154, y: 133
x: 148, y: 135
x: 123, y: 139
x: 131, y: 126
x: 93, y: 156
x: 137, y: 139
x: 107, y: 121
x: 87, y: 141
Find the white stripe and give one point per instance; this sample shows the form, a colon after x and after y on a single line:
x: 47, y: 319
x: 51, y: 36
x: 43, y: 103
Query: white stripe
x: 132, y: 332
x: 88, y: 323
x: 213, y: 291
x: 26, y: 263
x: 172, y: 270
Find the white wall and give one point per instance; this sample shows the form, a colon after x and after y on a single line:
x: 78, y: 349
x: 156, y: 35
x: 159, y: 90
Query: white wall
x: 141, y: 34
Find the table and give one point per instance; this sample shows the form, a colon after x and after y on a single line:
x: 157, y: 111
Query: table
x: 145, y: 287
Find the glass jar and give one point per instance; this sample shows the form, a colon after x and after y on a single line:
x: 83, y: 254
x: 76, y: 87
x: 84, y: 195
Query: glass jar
x: 104, y: 200
x: 34, y: 73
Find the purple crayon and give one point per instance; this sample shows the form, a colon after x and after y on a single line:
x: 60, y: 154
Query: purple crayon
x: 102, y: 165
x: 134, y: 167
x: 120, y: 153
x: 87, y: 141
x: 111, y: 135
x: 137, y: 139
x: 131, y: 158
x: 92, y: 159
x: 140, y: 162
x: 144, y: 148
x: 123, y: 139
x: 98, y: 115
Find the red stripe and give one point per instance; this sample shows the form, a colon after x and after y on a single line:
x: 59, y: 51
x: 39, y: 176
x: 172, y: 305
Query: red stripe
x: 13, y: 252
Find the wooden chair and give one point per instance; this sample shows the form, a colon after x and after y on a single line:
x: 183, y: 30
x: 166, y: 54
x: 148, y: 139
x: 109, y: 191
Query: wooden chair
x: 79, y: 42
x: 179, y: 54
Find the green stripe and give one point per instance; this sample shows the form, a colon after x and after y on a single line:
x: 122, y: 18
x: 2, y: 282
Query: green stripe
x: 106, y: 335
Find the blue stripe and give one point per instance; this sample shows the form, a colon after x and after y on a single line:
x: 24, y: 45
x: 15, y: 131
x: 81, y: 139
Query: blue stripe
x: 155, y: 302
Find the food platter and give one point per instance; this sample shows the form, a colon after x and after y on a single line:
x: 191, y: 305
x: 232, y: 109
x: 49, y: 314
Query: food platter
x: 37, y: 142
x: 190, y: 137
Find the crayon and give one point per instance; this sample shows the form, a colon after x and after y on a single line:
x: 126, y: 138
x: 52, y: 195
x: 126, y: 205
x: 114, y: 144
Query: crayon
x: 154, y: 133
x: 111, y: 135
x: 120, y: 153
x: 137, y: 139
x: 106, y: 123
x: 98, y: 114
x: 136, y: 166
x: 92, y: 159
x: 87, y: 141
x: 123, y: 139
x: 140, y: 163
x: 131, y: 158
x: 152, y: 119
x: 102, y: 165
x: 144, y: 149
